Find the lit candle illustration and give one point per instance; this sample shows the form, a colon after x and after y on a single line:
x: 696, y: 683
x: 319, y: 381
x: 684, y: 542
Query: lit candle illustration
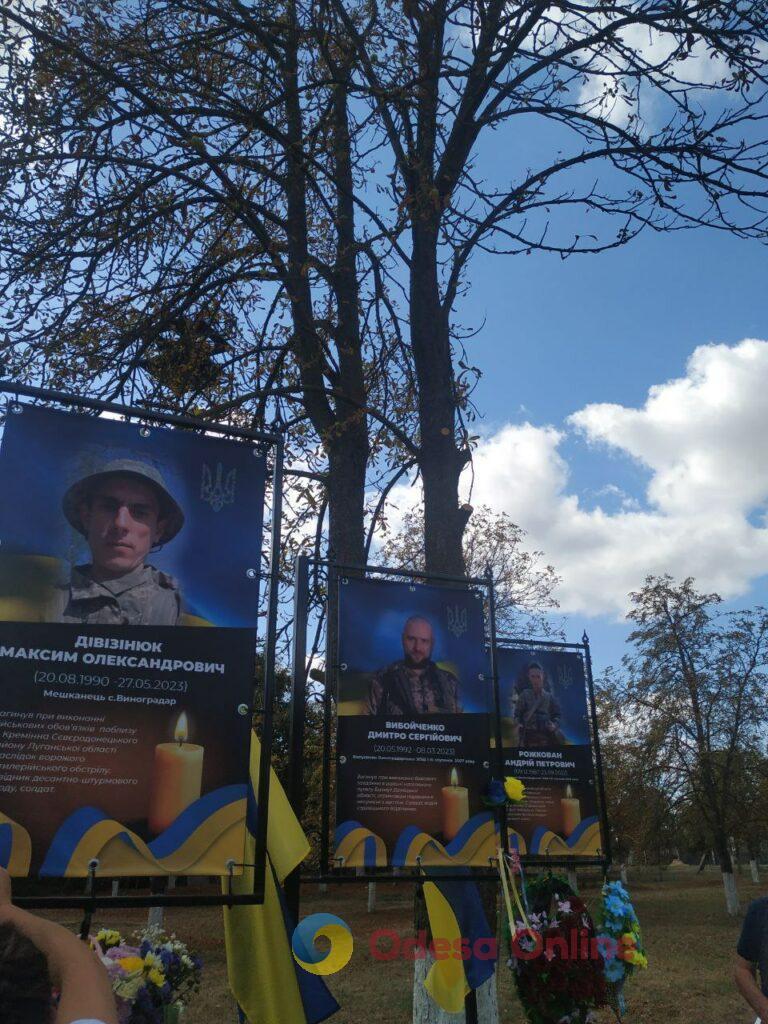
x: 571, y: 809
x: 455, y: 806
x: 177, y: 778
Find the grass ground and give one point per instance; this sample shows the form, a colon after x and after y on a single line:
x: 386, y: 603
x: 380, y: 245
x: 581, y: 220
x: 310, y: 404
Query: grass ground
x: 689, y: 939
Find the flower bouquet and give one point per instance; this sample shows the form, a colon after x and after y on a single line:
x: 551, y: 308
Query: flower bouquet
x: 620, y: 942
x: 557, y: 972
x: 152, y: 980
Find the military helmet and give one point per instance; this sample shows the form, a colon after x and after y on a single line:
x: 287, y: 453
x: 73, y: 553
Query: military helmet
x: 170, y: 510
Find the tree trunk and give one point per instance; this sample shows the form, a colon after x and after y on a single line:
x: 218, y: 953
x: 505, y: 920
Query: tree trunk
x: 440, y: 460
x: 347, y: 462
x: 623, y: 874
x: 729, y: 882
x: 347, y: 443
x: 754, y: 871
x: 425, y: 1011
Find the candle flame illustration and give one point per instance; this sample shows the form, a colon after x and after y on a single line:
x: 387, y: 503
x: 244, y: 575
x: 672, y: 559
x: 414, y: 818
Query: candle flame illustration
x: 454, y: 777
x: 181, y: 731
x: 568, y: 792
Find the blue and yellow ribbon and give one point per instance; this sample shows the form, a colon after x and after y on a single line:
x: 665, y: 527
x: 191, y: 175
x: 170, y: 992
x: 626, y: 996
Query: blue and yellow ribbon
x: 473, y: 846
x: 358, y: 847
x: 585, y: 841
x: 208, y: 834
x: 15, y: 847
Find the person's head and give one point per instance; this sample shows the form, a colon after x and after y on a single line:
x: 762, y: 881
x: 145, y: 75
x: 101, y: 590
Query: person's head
x: 123, y: 512
x: 122, y: 520
x: 536, y: 676
x: 418, y: 641
x: 25, y: 983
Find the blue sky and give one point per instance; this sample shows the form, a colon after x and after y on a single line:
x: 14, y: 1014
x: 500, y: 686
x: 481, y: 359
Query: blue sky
x: 561, y: 335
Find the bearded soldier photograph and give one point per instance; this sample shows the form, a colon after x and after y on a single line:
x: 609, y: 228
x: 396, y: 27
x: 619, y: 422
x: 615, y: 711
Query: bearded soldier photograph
x: 414, y: 685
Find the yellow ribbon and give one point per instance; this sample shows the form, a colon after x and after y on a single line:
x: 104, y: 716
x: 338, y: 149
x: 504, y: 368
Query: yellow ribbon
x: 507, y: 874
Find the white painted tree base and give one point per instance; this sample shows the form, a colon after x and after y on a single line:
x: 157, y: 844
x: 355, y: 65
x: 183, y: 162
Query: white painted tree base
x: 156, y: 916
x: 754, y: 870
x: 425, y: 1011
x: 731, y: 895
x: 623, y: 874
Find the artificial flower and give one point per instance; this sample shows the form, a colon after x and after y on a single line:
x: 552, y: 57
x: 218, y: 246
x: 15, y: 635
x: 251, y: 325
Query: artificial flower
x: 514, y: 789
x: 131, y: 964
x: 494, y: 795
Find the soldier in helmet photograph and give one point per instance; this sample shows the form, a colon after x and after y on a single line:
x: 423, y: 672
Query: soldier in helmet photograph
x: 125, y: 511
x: 109, y: 523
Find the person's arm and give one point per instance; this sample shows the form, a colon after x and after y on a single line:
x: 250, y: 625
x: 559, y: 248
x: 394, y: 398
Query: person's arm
x: 520, y: 707
x: 86, y: 992
x: 458, y: 709
x: 375, y: 695
x: 555, y: 713
x: 746, y: 983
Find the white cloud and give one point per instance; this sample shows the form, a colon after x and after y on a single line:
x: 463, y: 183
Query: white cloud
x: 703, y: 439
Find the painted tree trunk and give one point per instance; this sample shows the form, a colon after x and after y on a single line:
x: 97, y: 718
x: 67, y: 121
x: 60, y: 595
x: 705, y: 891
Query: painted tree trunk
x: 754, y: 871
x: 425, y: 1011
x: 731, y: 894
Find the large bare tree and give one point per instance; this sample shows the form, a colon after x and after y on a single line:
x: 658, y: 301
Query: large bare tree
x: 549, y: 125
x: 274, y: 207
x: 178, y: 225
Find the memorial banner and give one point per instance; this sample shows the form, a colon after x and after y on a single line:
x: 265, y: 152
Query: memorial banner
x: 547, y: 745
x: 124, y: 725
x: 413, y: 753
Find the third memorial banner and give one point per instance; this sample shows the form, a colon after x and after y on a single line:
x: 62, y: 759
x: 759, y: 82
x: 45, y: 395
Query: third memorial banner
x: 547, y: 745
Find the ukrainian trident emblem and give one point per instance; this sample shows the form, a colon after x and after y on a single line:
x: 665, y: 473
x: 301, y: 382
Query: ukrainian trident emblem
x: 218, y: 488
x: 457, y: 619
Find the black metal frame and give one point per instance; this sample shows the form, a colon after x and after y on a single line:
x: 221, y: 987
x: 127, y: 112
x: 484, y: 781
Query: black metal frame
x: 90, y: 900
x: 327, y: 874
x: 604, y: 862
x: 336, y: 572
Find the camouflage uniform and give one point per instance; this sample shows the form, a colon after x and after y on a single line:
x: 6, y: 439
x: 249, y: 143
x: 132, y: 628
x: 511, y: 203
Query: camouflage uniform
x: 144, y: 597
x: 535, y: 713
x: 400, y: 691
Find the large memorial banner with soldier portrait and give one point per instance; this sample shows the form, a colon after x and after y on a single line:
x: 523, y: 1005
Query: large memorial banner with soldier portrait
x: 413, y: 743
x: 129, y: 571
x: 546, y: 740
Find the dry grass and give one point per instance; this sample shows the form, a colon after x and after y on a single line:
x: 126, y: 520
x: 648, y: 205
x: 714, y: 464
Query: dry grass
x: 690, y: 945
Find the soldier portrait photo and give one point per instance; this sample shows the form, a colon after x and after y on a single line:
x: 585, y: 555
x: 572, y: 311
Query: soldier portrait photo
x: 409, y: 650
x: 537, y: 711
x: 124, y: 511
x: 543, y: 698
x: 116, y: 523
x: 414, y: 684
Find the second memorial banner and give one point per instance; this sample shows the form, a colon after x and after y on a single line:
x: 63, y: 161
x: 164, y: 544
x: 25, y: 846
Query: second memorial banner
x: 413, y: 745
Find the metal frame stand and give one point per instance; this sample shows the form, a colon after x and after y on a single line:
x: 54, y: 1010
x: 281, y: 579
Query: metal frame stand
x: 327, y: 874
x: 604, y: 861
x: 90, y: 901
